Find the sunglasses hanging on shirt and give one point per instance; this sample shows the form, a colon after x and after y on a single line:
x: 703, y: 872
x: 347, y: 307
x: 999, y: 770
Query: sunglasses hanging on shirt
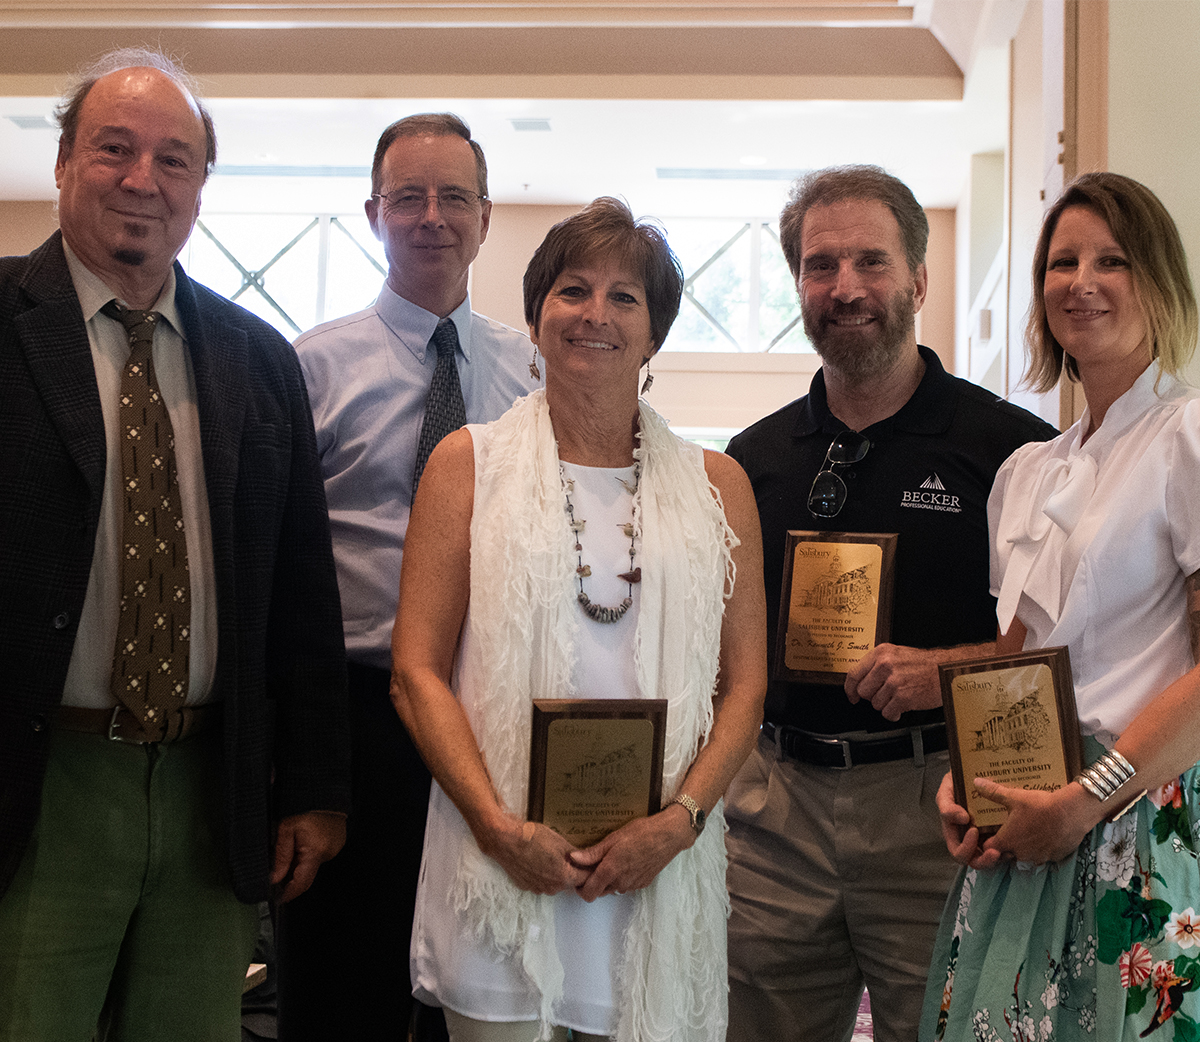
x: 829, y: 492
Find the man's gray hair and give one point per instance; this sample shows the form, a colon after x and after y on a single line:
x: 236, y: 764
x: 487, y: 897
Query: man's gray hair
x: 66, y: 112
x: 836, y: 184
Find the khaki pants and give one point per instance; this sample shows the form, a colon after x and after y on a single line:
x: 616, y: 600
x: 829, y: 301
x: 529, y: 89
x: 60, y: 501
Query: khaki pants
x: 837, y: 879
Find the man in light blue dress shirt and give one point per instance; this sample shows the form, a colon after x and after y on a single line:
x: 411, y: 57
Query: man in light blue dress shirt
x: 343, y: 951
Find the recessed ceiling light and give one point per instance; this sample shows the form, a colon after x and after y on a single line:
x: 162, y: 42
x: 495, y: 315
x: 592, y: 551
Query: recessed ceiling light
x: 668, y: 173
x: 530, y: 124
x: 33, y: 122
x: 280, y: 170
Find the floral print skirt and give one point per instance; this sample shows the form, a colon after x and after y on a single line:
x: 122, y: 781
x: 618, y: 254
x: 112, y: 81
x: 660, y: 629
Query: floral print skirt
x: 1103, y: 946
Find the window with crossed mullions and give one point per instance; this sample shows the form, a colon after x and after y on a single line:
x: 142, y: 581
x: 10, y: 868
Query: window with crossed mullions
x: 739, y: 295
x: 293, y: 271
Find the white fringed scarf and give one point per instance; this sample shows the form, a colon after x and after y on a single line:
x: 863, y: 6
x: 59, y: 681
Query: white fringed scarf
x: 523, y: 621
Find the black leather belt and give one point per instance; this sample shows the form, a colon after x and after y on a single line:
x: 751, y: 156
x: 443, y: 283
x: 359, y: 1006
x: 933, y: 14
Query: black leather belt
x: 821, y: 750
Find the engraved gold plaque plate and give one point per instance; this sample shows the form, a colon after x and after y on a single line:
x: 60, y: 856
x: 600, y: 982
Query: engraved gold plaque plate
x: 595, y: 764
x: 835, y: 603
x: 1010, y: 718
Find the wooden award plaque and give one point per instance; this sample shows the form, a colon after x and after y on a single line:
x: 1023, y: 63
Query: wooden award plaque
x: 835, y: 603
x: 1010, y: 718
x: 595, y: 763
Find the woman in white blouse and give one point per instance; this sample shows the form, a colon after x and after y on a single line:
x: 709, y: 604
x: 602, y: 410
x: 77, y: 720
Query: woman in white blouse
x: 1071, y: 922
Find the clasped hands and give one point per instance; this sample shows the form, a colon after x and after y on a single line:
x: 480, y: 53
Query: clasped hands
x: 1041, y: 826
x: 538, y: 859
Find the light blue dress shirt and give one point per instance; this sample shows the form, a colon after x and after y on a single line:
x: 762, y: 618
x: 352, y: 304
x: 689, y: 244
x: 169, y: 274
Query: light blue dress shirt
x: 368, y: 375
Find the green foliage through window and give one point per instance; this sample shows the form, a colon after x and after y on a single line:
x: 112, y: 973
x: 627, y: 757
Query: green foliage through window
x: 739, y: 294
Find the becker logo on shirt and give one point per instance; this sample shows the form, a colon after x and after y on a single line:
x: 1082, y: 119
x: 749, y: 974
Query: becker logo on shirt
x: 932, y: 495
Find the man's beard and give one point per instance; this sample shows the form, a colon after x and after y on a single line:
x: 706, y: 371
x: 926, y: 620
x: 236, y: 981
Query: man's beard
x: 132, y: 255
x: 859, y: 353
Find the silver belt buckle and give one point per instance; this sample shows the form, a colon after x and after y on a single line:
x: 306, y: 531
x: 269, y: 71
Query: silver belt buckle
x: 918, y: 743
x: 114, y: 737
x: 775, y: 739
x: 112, y: 726
x: 847, y: 759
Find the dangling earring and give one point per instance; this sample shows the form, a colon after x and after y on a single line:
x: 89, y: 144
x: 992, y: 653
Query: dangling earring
x: 534, y: 372
x: 646, y: 384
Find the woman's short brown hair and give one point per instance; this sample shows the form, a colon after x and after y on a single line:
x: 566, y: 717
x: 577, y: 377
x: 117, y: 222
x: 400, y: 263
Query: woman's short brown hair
x: 606, y: 228
x: 1148, y: 236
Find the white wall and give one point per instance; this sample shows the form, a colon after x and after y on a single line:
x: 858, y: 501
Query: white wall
x: 516, y: 231
x: 1025, y: 203
x: 1154, y: 108
x: 935, y: 321
x: 24, y: 225
x: 982, y: 274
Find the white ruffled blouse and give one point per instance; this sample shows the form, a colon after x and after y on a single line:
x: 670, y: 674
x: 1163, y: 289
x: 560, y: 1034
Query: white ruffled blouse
x: 1091, y: 544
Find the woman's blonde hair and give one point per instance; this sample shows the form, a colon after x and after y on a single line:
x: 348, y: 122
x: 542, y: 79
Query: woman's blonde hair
x: 1148, y: 236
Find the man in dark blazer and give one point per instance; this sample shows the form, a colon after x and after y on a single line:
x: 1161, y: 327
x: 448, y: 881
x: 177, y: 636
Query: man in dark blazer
x: 132, y: 851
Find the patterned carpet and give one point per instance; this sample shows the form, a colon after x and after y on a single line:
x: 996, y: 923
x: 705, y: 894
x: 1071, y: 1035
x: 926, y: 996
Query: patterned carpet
x: 862, y: 1026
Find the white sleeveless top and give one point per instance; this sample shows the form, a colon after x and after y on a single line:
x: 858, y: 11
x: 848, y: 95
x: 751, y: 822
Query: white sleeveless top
x: 449, y: 965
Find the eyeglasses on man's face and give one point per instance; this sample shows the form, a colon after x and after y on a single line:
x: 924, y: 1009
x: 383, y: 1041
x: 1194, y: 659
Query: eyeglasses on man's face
x: 411, y: 202
x: 829, y: 492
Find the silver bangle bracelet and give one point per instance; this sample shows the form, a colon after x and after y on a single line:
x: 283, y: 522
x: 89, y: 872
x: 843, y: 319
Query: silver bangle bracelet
x: 1106, y: 775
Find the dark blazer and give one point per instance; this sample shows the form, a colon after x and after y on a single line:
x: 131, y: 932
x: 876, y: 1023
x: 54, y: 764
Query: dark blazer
x: 280, y: 663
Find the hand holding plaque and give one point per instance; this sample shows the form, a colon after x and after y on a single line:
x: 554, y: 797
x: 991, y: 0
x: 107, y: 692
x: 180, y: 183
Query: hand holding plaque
x: 1010, y: 718
x: 595, y: 764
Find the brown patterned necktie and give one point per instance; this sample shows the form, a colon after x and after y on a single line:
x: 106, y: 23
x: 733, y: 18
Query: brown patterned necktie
x: 444, y: 407
x: 150, y: 663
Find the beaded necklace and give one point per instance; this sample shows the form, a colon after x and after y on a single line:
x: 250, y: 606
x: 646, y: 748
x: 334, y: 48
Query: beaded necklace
x: 598, y: 612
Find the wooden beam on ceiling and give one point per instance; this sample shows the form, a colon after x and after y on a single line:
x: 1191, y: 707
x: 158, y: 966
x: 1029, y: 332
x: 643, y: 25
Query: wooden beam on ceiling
x: 478, y: 13
x: 790, y: 63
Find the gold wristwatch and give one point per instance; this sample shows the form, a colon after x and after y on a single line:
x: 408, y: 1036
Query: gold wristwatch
x: 694, y: 809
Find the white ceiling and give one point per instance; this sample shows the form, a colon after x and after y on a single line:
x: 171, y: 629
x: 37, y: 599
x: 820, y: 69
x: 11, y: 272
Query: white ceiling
x: 593, y: 147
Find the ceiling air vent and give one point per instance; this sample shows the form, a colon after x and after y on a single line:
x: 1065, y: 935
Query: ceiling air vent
x: 33, y: 122
x: 530, y: 124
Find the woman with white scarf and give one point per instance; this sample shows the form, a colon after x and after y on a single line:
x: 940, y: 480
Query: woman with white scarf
x: 1077, y: 919
x: 507, y: 595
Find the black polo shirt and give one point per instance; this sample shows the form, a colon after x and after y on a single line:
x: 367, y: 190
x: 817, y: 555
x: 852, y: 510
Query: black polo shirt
x: 926, y: 477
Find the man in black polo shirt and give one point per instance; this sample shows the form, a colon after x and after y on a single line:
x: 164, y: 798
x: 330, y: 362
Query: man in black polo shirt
x: 838, y: 871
